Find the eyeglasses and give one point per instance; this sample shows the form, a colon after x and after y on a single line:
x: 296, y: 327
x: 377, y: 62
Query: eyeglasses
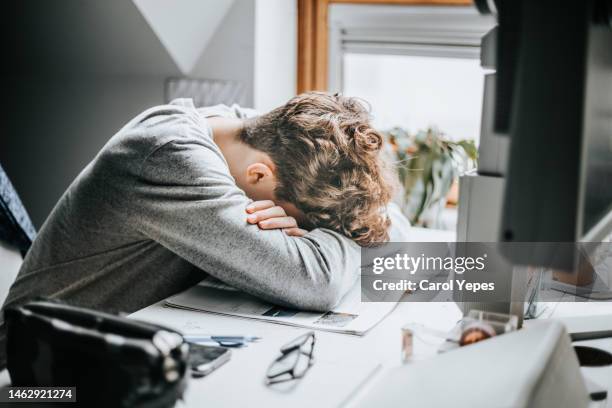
x: 295, y: 360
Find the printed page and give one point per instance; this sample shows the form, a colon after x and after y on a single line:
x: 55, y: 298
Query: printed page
x: 351, y: 316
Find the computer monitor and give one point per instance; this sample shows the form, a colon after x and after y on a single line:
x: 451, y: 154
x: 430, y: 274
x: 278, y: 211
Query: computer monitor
x: 550, y: 97
x: 554, y: 102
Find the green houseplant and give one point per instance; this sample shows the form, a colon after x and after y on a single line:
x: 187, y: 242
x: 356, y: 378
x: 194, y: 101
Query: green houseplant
x: 427, y: 165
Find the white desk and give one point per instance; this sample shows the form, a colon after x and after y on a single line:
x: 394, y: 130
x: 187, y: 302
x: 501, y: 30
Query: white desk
x: 240, y: 381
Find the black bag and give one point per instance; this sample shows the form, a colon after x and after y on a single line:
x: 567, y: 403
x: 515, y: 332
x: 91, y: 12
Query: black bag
x: 112, y: 361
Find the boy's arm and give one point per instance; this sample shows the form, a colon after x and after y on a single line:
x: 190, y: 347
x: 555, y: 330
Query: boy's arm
x: 185, y: 199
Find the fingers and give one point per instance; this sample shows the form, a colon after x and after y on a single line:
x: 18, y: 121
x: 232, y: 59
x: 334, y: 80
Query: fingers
x: 295, y: 232
x: 259, y: 205
x: 268, y: 216
x: 261, y: 215
x: 278, y: 223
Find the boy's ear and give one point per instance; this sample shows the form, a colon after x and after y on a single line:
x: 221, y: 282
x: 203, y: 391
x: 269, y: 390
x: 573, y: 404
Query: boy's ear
x: 258, y: 172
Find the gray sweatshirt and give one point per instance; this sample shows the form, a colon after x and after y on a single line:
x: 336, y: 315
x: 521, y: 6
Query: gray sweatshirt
x: 156, y: 211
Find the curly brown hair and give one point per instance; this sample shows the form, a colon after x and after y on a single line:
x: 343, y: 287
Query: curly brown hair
x: 328, y: 163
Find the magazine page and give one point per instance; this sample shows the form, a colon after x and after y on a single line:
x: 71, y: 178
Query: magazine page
x: 350, y: 316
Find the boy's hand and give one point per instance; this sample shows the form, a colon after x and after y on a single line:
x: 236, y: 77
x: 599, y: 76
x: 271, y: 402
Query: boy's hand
x: 268, y: 215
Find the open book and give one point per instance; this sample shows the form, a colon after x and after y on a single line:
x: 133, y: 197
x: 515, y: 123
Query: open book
x: 350, y: 316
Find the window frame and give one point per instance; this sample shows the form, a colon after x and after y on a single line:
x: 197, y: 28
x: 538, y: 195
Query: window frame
x: 314, y: 33
x: 448, y: 32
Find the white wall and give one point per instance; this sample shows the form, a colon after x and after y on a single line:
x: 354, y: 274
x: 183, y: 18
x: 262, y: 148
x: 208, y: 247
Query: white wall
x: 230, y: 52
x: 256, y: 44
x: 184, y: 27
x: 275, y: 52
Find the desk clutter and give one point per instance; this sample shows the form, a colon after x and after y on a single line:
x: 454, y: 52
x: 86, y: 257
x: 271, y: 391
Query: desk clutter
x: 113, y: 361
x: 473, y: 328
x: 493, y: 339
x: 119, y: 362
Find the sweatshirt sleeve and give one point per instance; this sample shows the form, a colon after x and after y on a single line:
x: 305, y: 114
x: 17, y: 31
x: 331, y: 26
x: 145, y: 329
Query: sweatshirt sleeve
x: 185, y: 199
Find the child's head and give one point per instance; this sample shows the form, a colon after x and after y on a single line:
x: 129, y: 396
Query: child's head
x: 327, y: 162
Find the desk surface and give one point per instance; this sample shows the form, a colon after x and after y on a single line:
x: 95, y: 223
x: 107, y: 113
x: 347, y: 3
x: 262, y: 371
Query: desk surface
x: 246, y: 369
x: 240, y: 381
x: 381, y: 346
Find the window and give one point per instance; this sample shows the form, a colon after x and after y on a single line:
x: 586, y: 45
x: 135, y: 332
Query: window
x: 313, y: 35
x: 416, y: 92
x: 417, y: 66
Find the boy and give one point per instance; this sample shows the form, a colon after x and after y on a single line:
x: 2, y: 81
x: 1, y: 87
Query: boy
x: 181, y: 192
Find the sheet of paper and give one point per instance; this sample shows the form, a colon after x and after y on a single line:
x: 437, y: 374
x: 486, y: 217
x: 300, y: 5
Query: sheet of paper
x: 350, y: 316
x: 325, y: 385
